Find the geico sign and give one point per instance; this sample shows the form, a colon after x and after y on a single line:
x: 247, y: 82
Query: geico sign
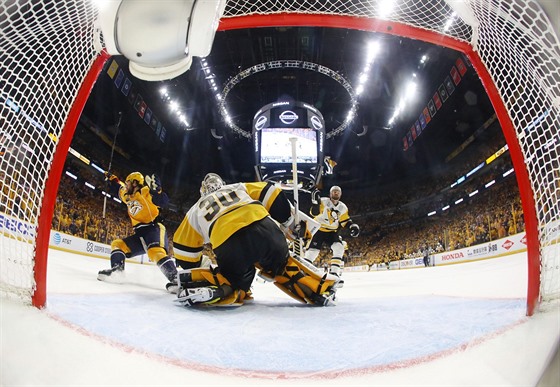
x: 447, y: 257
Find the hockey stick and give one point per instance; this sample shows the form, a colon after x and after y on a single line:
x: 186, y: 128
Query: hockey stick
x: 299, y: 252
x: 110, y: 162
x: 298, y: 242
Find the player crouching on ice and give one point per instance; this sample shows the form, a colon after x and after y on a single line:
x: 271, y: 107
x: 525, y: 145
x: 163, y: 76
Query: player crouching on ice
x: 239, y: 220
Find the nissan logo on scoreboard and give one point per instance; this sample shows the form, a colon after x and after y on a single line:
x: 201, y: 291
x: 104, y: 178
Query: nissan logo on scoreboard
x: 316, y: 122
x: 288, y: 117
x: 261, y: 122
x: 284, y: 114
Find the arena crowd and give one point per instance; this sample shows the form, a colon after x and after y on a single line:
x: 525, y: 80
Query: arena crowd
x: 394, y: 220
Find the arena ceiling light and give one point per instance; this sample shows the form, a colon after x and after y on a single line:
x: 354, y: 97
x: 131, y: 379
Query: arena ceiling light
x: 371, y: 54
x: 291, y: 64
x: 407, y: 96
x: 174, y: 107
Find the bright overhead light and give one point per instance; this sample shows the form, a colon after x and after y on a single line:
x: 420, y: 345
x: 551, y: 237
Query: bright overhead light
x: 449, y: 22
x: 410, y: 92
x: 372, y: 50
x: 386, y: 7
x: 359, y: 89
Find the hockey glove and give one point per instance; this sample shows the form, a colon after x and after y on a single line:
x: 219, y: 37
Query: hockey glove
x: 299, y: 229
x: 315, y: 196
x: 354, y: 230
x: 111, y: 177
x: 292, y: 230
x: 153, y: 182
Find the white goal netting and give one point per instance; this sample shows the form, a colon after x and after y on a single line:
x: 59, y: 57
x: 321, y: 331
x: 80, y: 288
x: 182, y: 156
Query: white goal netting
x: 49, y: 46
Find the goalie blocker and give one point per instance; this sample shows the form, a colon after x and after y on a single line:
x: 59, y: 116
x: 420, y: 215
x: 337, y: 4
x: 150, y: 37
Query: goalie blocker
x: 300, y: 280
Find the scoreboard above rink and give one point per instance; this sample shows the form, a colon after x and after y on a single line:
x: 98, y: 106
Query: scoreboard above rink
x: 288, y: 115
x: 273, y: 127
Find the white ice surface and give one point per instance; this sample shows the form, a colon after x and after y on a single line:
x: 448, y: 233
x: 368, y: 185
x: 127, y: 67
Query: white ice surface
x: 457, y: 325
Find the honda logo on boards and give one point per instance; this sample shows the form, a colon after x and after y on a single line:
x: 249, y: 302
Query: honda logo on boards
x: 288, y: 117
x: 507, y: 244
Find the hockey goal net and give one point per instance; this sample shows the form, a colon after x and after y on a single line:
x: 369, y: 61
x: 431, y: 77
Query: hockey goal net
x: 52, y: 53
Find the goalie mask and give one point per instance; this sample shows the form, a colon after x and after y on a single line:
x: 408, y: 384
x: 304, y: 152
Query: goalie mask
x: 211, y: 183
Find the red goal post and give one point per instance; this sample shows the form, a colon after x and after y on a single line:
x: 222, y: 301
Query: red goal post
x: 52, y: 55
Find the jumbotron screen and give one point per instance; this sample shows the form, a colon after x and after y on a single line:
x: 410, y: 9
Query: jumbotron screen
x: 276, y: 147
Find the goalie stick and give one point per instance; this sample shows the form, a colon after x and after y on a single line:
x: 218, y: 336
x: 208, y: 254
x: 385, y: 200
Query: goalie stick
x: 298, y: 242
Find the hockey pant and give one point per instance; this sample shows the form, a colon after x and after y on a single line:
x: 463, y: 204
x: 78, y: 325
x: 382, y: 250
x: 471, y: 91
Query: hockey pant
x: 120, y: 250
x: 303, y: 282
x: 206, y: 286
x: 336, y: 263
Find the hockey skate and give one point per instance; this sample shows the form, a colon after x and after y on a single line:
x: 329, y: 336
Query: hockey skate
x: 328, y: 299
x: 114, y: 274
x: 172, y: 287
x: 339, y: 281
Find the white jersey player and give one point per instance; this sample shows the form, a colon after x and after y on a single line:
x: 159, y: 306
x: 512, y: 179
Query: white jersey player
x: 332, y: 214
x: 241, y: 221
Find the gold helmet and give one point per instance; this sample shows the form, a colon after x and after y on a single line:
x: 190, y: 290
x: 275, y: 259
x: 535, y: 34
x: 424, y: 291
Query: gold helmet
x: 136, y: 176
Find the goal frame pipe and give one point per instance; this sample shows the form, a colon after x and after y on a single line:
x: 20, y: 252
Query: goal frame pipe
x: 508, y: 129
x: 39, y: 297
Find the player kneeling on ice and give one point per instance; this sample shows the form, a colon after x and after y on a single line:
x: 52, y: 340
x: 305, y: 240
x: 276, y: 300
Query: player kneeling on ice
x: 143, y: 197
x: 240, y: 222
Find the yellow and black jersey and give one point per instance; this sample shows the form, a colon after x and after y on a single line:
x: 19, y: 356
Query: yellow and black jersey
x: 331, y: 216
x: 141, y: 209
x: 217, y: 216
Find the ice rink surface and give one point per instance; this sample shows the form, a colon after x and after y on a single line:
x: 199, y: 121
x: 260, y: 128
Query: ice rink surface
x: 456, y: 325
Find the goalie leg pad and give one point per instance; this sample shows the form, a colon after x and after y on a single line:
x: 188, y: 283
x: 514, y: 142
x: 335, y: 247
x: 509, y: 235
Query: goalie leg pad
x: 302, y: 283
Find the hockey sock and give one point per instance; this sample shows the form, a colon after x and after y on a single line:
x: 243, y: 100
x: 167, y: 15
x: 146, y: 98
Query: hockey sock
x: 117, y: 259
x: 168, y: 268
